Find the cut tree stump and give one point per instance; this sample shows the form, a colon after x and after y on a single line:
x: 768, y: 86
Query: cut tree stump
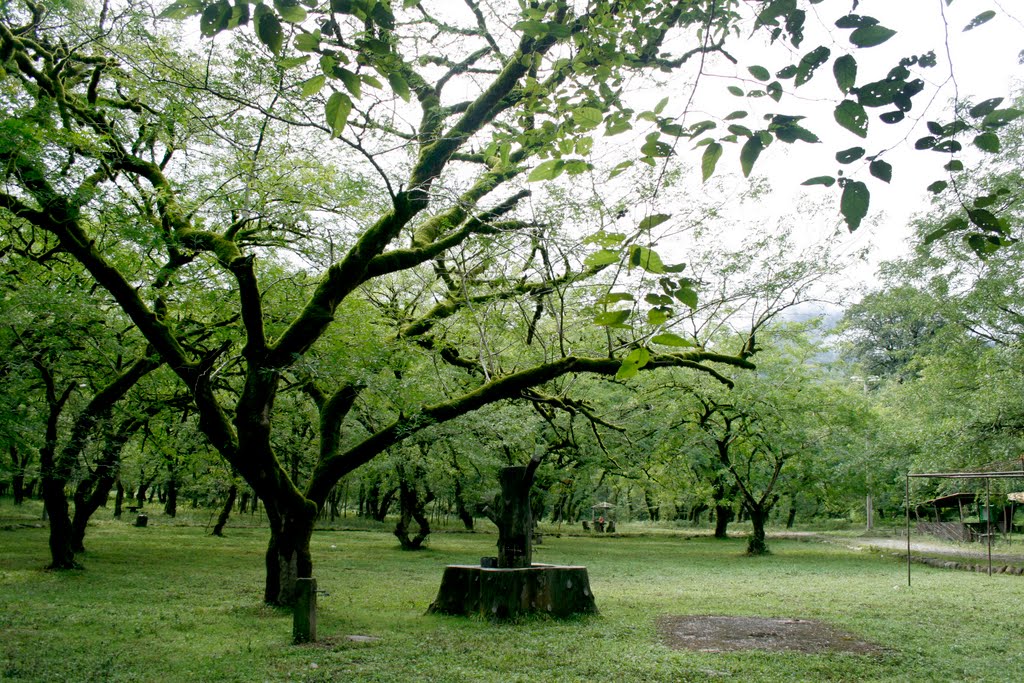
x: 501, y: 593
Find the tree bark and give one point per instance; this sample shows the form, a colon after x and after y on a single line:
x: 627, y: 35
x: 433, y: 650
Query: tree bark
x: 411, y: 508
x: 225, y: 513
x: 118, y: 499
x: 723, y: 515
x: 757, y: 544
x: 514, y: 518
x: 288, y: 557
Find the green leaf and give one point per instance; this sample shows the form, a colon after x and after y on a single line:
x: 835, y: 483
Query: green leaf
x: 546, y: 170
x: 751, y: 150
x: 938, y: 186
x: 215, y: 18
x: 539, y: 29
x: 988, y: 142
x: 313, y: 85
x: 954, y: 166
x: 612, y: 318
x: 337, y: 110
x: 851, y: 116
x: 268, y: 28
x: 603, y: 257
x: 759, y: 72
x: 855, y: 21
x: 848, y: 156
x: 845, y: 71
x: 809, y: 64
x: 870, y: 36
x: 881, y: 170
x: 736, y: 115
x: 712, y: 153
x: 653, y: 221
x: 615, y: 297
x: 308, y: 42
x: 669, y: 339
x: 980, y: 19
x: 985, y: 108
x: 656, y: 316
x: 986, y: 220
x: 183, y: 9
x: 1001, y: 117
x: 775, y: 90
x: 953, y: 225
x: 292, y: 62
x: 290, y: 11
x: 738, y: 92
x: 636, y: 359
x: 647, y: 259
x: 620, y: 168
x: 587, y: 118
x: 687, y: 296
x: 826, y: 180
x: 399, y: 85
x: 352, y: 82
x: 854, y: 203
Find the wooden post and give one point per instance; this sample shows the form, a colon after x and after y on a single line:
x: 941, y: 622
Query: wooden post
x: 304, y: 616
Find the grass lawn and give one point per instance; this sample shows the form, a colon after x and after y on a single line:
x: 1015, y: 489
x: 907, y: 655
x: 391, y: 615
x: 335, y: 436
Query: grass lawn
x: 169, y: 603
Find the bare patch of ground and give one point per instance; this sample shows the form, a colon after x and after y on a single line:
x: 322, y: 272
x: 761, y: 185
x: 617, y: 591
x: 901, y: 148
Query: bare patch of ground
x: 729, y: 634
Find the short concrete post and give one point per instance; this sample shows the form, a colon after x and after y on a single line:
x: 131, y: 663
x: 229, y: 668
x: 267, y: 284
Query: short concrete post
x: 304, y: 616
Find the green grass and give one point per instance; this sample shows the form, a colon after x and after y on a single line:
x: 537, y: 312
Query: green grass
x: 169, y: 603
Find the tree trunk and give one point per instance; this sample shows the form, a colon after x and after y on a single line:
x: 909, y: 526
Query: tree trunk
x: 461, y: 509
x: 758, y: 516
x: 791, y: 517
x: 723, y: 515
x: 288, y: 557
x: 514, y: 518
x: 118, y: 499
x: 19, y: 464
x: 411, y: 508
x: 171, y: 504
x: 225, y: 513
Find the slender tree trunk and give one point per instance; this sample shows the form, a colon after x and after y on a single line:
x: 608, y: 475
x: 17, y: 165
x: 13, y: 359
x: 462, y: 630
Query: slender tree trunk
x: 118, y: 499
x: 791, y: 518
x: 411, y: 508
x: 171, y: 504
x: 94, y: 489
x: 225, y: 513
x: 19, y: 463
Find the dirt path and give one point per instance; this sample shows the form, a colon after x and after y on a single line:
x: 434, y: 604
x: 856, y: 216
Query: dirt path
x: 1001, y: 553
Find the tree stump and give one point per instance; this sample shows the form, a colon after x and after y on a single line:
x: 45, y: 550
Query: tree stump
x: 501, y: 593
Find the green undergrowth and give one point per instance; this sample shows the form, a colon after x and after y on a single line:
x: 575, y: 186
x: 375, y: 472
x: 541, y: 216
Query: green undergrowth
x: 170, y: 603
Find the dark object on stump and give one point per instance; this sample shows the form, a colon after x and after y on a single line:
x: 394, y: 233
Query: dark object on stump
x: 504, y: 593
x: 489, y: 562
x: 141, y: 520
x: 304, y: 614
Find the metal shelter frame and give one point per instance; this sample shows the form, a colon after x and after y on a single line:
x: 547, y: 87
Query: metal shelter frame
x: 988, y: 477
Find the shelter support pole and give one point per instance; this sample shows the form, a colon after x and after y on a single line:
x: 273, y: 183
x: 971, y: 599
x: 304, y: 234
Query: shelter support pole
x: 908, y: 529
x: 988, y: 521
